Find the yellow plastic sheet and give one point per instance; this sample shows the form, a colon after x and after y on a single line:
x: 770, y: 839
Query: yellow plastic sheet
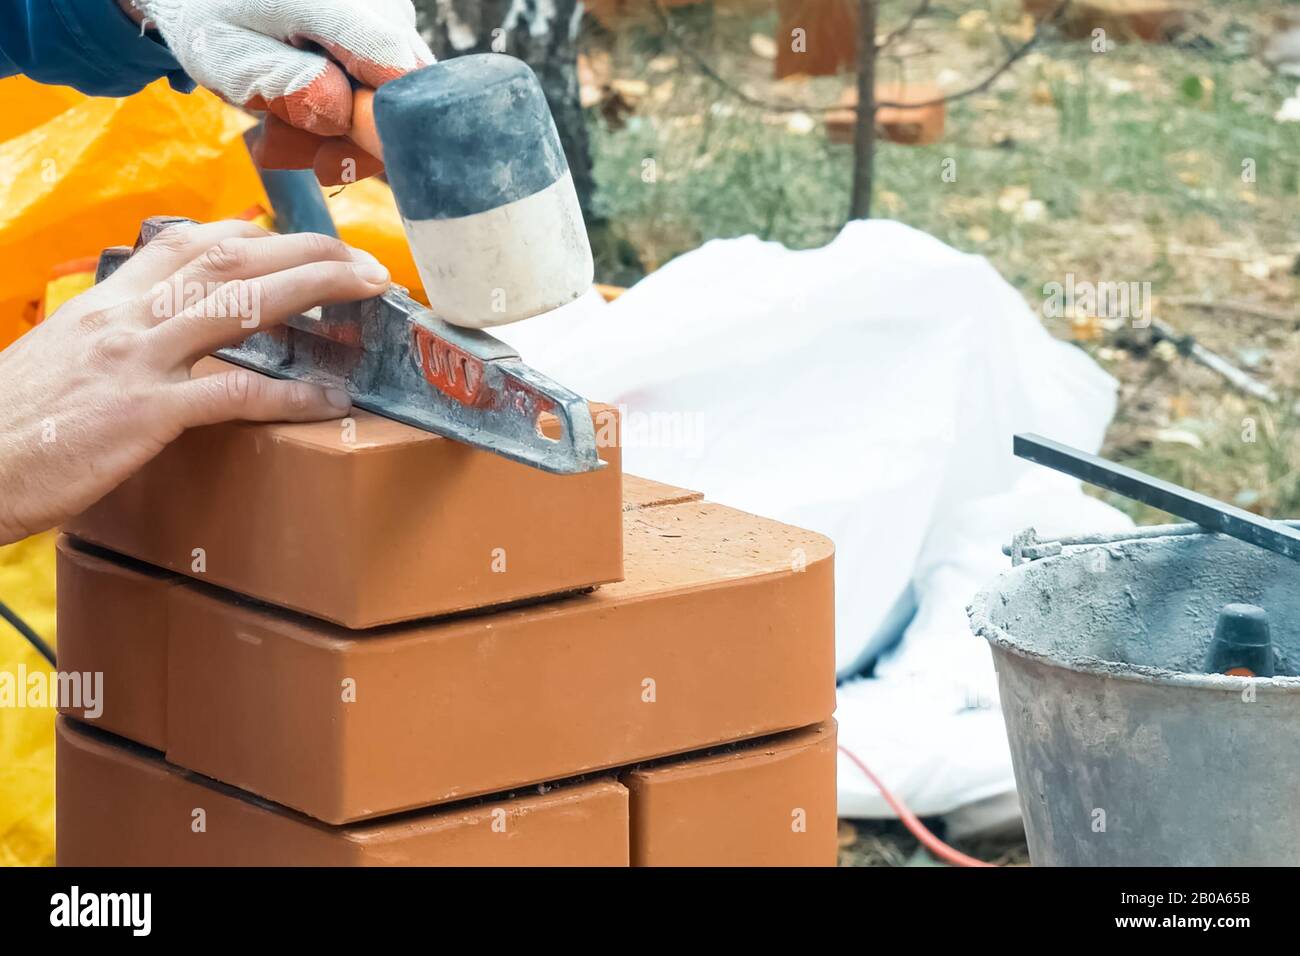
x: 87, y: 175
x: 27, y: 734
x: 27, y: 104
x: 79, y: 173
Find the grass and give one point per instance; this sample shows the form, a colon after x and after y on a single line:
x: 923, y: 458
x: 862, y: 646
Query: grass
x: 1122, y: 166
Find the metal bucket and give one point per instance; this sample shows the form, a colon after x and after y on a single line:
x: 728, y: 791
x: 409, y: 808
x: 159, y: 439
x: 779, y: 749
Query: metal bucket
x: 1124, y: 754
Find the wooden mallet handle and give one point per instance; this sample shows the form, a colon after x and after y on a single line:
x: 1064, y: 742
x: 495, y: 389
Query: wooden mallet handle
x: 363, y: 131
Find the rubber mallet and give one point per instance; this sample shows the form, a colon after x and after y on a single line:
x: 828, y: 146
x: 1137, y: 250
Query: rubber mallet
x: 483, y: 188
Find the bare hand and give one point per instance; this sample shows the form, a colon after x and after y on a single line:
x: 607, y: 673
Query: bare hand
x: 99, y: 387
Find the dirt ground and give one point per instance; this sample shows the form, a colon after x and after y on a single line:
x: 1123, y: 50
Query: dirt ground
x: 1168, y: 168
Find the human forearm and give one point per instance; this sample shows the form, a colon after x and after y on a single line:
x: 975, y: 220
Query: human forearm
x: 93, y: 45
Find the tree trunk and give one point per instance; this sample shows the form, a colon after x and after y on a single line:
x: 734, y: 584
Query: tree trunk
x: 864, y: 128
x: 542, y: 33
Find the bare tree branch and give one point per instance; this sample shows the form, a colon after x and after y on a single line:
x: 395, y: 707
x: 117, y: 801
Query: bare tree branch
x: 921, y: 10
x: 1012, y: 58
x: 707, y: 69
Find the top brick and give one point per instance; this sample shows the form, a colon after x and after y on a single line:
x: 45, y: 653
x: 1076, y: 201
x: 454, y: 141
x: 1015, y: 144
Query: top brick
x: 365, y: 521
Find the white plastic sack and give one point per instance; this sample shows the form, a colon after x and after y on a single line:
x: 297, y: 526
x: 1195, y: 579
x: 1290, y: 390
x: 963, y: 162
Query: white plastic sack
x: 929, y: 723
x: 867, y: 390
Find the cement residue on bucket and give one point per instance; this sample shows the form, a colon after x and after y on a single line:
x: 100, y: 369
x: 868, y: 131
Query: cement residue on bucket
x: 1125, y: 752
x: 1147, y: 610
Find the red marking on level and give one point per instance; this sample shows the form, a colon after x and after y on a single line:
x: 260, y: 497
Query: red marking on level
x: 344, y: 333
x: 450, y: 370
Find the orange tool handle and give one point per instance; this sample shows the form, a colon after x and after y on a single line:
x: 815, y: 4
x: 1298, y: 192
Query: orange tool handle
x: 363, y: 131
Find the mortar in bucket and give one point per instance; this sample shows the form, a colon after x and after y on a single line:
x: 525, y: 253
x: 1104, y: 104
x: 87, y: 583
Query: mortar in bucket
x: 1126, y: 753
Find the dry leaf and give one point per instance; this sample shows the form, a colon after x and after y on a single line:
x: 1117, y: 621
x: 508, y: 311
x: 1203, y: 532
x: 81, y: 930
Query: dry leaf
x: 1032, y: 210
x: 1266, y: 267
x: 1086, y: 328
x: 1012, y: 198
x: 1179, y: 436
x: 847, y: 834
x: 662, y: 92
x: 1165, y: 351
x: 594, y: 73
x: 762, y: 46
x: 801, y: 124
x: 890, y: 201
x: 1021, y: 30
x: 594, y: 68
x: 630, y: 90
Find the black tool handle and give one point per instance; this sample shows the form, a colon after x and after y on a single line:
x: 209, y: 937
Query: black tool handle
x: 1208, y: 512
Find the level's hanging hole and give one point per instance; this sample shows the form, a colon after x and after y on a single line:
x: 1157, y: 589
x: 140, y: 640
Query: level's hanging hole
x: 541, y: 432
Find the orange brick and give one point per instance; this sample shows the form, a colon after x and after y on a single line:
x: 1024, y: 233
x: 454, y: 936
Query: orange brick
x: 910, y: 125
x: 826, y: 42
x: 122, y: 805
x: 392, y: 525
x: 726, y: 620
x: 906, y: 125
x: 125, y: 604
x: 770, y: 803
x: 1152, y: 21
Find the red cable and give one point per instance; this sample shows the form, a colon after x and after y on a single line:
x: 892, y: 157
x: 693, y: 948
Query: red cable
x: 909, y: 819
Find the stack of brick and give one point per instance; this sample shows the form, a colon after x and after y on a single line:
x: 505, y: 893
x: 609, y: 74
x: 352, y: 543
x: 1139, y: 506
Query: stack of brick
x: 357, y: 643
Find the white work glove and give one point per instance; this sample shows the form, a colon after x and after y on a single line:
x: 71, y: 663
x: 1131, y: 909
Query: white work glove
x: 251, y: 53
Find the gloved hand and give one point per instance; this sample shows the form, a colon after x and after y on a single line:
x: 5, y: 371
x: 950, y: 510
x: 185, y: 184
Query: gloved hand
x: 99, y: 387
x: 252, y: 53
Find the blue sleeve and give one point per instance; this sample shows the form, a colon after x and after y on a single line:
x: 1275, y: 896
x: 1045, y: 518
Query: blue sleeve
x: 88, y: 44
